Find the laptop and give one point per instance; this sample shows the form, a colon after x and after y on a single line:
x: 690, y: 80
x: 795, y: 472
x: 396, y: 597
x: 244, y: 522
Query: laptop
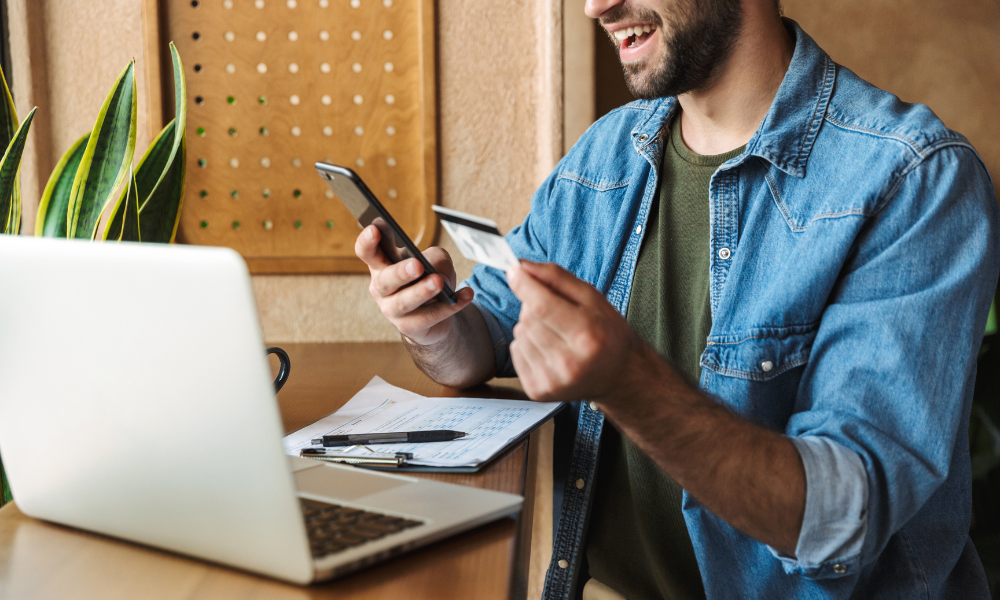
x: 137, y: 403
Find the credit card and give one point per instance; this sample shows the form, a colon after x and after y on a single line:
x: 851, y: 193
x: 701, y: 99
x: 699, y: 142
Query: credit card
x: 477, y: 238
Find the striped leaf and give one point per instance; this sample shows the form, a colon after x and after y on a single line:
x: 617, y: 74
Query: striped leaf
x: 160, y: 175
x: 129, y: 231
x: 105, y: 163
x: 8, y: 114
x: 52, y: 208
x: 5, y: 495
x: 10, y: 196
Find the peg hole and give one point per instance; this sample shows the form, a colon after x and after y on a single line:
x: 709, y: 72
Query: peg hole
x: 230, y: 68
x: 390, y: 99
x: 326, y: 100
x: 265, y: 162
x: 324, y: 68
x: 197, y: 68
x: 261, y: 68
x: 203, y: 193
x: 293, y: 36
x: 201, y: 131
x: 294, y: 99
x: 229, y: 36
x: 266, y: 192
x: 196, y: 36
x: 355, y: 35
x: 232, y: 131
x: 328, y: 131
x: 328, y: 193
x: 234, y: 162
x: 296, y: 163
x: 268, y: 225
x: 202, y: 163
x: 293, y: 67
x: 359, y: 130
x: 390, y: 161
x: 324, y: 35
x: 388, y: 67
x: 296, y: 131
x: 235, y: 194
x: 262, y: 100
x: 356, y: 67
x: 387, y: 35
x: 358, y: 99
x: 263, y: 131
x: 261, y: 36
x: 199, y: 100
x: 359, y: 161
x: 297, y: 193
x: 231, y: 100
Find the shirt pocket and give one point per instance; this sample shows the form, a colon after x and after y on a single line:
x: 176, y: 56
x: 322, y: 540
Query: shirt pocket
x: 759, y: 354
x: 756, y: 373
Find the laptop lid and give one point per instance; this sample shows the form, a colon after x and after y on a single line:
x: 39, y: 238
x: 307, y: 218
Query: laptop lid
x: 137, y: 401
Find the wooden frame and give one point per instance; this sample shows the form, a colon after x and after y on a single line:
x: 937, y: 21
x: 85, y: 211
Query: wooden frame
x: 347, y: 81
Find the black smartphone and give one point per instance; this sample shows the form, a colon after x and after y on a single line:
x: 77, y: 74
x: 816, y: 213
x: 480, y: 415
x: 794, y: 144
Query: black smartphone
x: 366, y: 208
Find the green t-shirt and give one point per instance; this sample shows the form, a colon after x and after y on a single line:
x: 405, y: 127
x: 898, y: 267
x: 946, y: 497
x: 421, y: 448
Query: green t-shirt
x: 638, y: 543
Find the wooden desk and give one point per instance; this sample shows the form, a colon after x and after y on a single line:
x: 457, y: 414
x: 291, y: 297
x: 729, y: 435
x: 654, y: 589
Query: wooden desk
x: 44, y: 561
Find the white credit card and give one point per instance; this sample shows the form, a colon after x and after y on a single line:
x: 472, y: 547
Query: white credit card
x: 477, y: 238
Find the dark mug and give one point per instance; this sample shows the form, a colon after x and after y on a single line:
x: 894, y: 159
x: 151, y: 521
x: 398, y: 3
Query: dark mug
x: 283, y: 370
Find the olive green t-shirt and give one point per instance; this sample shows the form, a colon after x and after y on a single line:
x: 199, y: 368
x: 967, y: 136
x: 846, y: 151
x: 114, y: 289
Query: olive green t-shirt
x: 638, y: 544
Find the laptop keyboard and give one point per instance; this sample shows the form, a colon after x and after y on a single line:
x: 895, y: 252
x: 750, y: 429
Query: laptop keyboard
x: 332, y: 528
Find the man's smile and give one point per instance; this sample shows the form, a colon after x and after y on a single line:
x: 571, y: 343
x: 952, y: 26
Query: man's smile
x: 632, y: 39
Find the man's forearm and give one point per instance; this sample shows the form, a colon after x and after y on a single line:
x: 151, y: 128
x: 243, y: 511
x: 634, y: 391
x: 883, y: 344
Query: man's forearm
x: 749, y: 476
x: 463, y: 358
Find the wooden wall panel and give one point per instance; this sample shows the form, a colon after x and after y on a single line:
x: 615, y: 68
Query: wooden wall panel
x: 277, y: 85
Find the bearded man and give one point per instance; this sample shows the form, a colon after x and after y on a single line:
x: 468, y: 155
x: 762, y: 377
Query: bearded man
x: 762, y: 287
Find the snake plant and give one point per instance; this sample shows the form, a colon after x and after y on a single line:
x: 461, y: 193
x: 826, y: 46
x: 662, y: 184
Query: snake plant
x: 96, y: 174
x: 12, y: 138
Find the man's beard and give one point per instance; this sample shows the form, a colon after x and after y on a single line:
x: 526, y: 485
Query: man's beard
x: 701, y: 37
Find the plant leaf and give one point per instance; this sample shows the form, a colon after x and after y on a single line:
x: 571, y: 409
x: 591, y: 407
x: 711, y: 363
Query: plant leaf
x: 105, y: 164
x: 161, y: 214
x: 8, y: 114
x: 161, y: 173
x: 9, y: 165
x: 52, y: 208
x: 130, y: 221
x: 152, y: 168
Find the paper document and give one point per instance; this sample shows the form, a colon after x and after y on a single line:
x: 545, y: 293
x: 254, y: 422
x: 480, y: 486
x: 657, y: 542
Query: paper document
x: 380, y: 407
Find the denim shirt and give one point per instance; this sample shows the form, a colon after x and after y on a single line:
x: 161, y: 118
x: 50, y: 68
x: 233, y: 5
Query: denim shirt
x: 854, y: 255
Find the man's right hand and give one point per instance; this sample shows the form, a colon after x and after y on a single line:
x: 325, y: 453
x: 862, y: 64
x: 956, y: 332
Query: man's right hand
x: 412, y: 310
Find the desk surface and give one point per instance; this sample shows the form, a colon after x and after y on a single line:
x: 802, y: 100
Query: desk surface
x: 40, y: 560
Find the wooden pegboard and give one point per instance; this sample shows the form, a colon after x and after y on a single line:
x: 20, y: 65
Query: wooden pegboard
x: 276, y: 85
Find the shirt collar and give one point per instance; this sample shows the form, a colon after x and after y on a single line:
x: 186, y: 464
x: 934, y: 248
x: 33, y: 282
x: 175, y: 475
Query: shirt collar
x: 786, y: 135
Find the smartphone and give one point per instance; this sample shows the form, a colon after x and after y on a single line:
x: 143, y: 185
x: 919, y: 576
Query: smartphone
x: 366, y: 208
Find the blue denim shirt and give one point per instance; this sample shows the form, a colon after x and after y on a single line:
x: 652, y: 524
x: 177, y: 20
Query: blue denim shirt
x: 854, y: 255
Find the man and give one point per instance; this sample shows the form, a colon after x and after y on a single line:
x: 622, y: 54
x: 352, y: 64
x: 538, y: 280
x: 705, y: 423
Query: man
x: 767, y: 280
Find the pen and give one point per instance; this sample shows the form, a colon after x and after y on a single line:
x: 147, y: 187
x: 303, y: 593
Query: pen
x: 396, y: 437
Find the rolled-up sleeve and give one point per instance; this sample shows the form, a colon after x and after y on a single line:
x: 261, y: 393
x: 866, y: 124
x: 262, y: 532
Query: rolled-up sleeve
x: 836, y: 513
x: 889, y: 380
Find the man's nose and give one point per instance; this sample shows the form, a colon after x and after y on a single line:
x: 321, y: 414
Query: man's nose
x: 595, y: 8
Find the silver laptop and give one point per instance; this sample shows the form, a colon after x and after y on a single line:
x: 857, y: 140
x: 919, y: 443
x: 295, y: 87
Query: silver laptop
x: 137, y: 403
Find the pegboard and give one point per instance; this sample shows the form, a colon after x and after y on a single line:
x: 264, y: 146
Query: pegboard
x: 276, y: 85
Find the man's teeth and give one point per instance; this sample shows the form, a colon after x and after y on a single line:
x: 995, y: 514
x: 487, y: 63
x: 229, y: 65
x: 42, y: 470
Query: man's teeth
x: 638, y: 31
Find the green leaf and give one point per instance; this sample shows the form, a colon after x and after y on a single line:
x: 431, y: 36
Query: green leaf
x: 160, y: 175
x: 161, y: 214
x: 129, y: 231
x: 105, y: 164
x: 5, y: 495
x: 10, y: 196
x: 52, y: 208
x: 8, y: 115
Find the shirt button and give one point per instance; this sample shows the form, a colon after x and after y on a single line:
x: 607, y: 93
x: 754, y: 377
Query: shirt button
x: 766, y: 366
x: 580, y: 483
x: 593, y: 406
x: 638, y: 229
x: 563, y: 564
x: 725, y: 253
x: 839, y: 569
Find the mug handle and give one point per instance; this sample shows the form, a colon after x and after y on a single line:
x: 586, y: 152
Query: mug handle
x: 283, y: 370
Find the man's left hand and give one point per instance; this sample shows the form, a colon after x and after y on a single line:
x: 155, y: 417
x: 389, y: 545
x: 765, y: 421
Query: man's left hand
x: 569, y: 342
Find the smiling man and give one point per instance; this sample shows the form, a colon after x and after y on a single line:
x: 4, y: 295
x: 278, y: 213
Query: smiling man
x: 766, y: 281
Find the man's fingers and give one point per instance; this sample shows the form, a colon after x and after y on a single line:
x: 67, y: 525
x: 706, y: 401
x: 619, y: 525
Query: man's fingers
x: 562, y: 282
x: 411, y: 298
x: 423, y: 318
x: 367, y: 249
x: 386, y: 281
x: 554, y: 310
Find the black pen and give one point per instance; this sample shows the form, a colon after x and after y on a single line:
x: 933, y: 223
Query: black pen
x: 394, y: 437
